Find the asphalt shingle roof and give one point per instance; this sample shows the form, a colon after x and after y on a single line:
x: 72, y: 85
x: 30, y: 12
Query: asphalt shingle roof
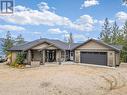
x: 59, y: 44
x: 29, y: 45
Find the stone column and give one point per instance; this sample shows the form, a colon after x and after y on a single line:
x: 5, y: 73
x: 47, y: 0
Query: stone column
x: 41, y: 54
x: 64, y: 55
x: 43, y: 57
x: 58, y: 55
x: 29, y: 57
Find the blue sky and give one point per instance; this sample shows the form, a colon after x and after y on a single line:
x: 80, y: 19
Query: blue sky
x: 55, y: 19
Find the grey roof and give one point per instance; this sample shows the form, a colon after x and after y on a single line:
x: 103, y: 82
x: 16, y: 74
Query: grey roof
x: 114, y: 47
x: 118, y: 46
x: 29, y: 45
x: 59, y: 44
x: 74, y: 45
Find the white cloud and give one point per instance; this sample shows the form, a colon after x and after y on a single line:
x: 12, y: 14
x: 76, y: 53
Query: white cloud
x: 89, y: 3
x: 37, y: 33
x: 121, y: 16
x: 11, y: 28
x: 57, y: 31
x: 43, y: 6
x: 84, y: 23
x: 27, y: 16
x: 80, y: 37
x: 34, y: 17
x: 101, y: 22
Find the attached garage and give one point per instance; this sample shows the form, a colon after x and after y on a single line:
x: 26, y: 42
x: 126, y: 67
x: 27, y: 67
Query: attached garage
x: 98, y: 53
x: 97, y: 58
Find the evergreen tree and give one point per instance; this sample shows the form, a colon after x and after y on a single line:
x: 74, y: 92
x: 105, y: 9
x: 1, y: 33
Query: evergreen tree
x: 124, y: 1
x: 8, y: 43
x: 70, y: 39
x: 106, y: 32
x: 125, y: 31
x: 115, y: 33
x: 19, y: 40
x: 124, y: 51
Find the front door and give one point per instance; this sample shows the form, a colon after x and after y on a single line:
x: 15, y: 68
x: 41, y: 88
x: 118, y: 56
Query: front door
x: 51, y: 55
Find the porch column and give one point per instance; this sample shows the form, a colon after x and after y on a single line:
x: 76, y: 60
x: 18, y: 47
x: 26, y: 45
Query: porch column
x: 29, y: 57
x: 58, y: 55
x: 43, y: 57
x: 64, y: 55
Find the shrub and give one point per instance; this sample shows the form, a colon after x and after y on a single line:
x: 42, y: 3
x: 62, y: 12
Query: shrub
x: 18, y: 63
x: 20, y: 58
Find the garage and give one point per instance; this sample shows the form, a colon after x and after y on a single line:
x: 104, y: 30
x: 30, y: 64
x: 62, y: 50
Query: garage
x: 97, y: 58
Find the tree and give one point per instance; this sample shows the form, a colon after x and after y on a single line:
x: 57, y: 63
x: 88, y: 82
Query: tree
x: 125, y: 30
x: 124, y: 1
x: 70, y: 39
x: 115, y: 33
x: 106, y: 32
x: 19, y: 40
x: 20, y: 58
x: 124, y: 51
x: 7, y: 43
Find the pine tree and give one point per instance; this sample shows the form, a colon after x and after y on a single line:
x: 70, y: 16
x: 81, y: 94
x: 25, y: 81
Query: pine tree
x: 70, y: 40
x: 124, y: 51
x: 106, y: 32
x: 125, y: 30
x: 124, y: 1
x: 7, y: 43
x: 115, y: 33
x: 19, y: 40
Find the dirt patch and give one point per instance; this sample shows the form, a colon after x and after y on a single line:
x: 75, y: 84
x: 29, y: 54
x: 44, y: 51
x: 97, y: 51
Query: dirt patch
x: 62, y: 80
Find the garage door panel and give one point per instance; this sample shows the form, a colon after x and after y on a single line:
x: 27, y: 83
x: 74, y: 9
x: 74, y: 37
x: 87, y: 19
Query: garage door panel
x: 98, y: 58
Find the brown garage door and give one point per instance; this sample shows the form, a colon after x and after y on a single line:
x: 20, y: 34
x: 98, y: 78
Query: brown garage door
x: 98, y: 58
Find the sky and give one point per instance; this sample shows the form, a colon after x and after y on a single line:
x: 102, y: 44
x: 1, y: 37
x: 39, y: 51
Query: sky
x: 55, y: 19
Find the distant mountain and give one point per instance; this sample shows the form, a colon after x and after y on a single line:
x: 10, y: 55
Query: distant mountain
x: 1, y: 42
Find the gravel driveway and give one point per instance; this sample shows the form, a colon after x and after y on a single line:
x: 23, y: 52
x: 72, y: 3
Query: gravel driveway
x: 63, y: 80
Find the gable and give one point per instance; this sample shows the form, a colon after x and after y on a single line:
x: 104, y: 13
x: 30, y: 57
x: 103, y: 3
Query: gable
x: 44, y: 45
x: 92, y: 45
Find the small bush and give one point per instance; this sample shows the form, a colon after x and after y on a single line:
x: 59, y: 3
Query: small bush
x: 18, y: 63
x: 20, y: 58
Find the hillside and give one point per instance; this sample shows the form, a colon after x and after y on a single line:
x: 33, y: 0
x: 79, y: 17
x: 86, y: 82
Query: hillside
x: 1, y: 41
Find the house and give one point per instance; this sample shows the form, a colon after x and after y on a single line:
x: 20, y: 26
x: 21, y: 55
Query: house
x: 47, y: 50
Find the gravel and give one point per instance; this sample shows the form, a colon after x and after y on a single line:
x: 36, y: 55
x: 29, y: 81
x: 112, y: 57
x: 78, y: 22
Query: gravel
x: 63, y: 80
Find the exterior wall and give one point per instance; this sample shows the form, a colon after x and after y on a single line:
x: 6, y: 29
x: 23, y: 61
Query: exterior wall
x: 36, y: 56
x: 13, y: 56
x: 117, y: 59
x: 51, y: 48
x: 112, y: 57
x: 58, y: 55
x: 92, y: 45
x: 77, y: 56
x: 43, y: 45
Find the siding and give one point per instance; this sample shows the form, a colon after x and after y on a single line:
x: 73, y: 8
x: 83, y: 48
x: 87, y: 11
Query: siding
x: 95, y: 47
x: 13, y: 56
x: 43, y: 45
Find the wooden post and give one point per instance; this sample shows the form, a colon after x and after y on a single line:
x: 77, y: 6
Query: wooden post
x: 43, y: 57
x: 65, y: 55
x: 29, y: 57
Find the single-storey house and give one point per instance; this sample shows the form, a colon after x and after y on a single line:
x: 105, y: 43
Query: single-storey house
x: 47, y: 50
